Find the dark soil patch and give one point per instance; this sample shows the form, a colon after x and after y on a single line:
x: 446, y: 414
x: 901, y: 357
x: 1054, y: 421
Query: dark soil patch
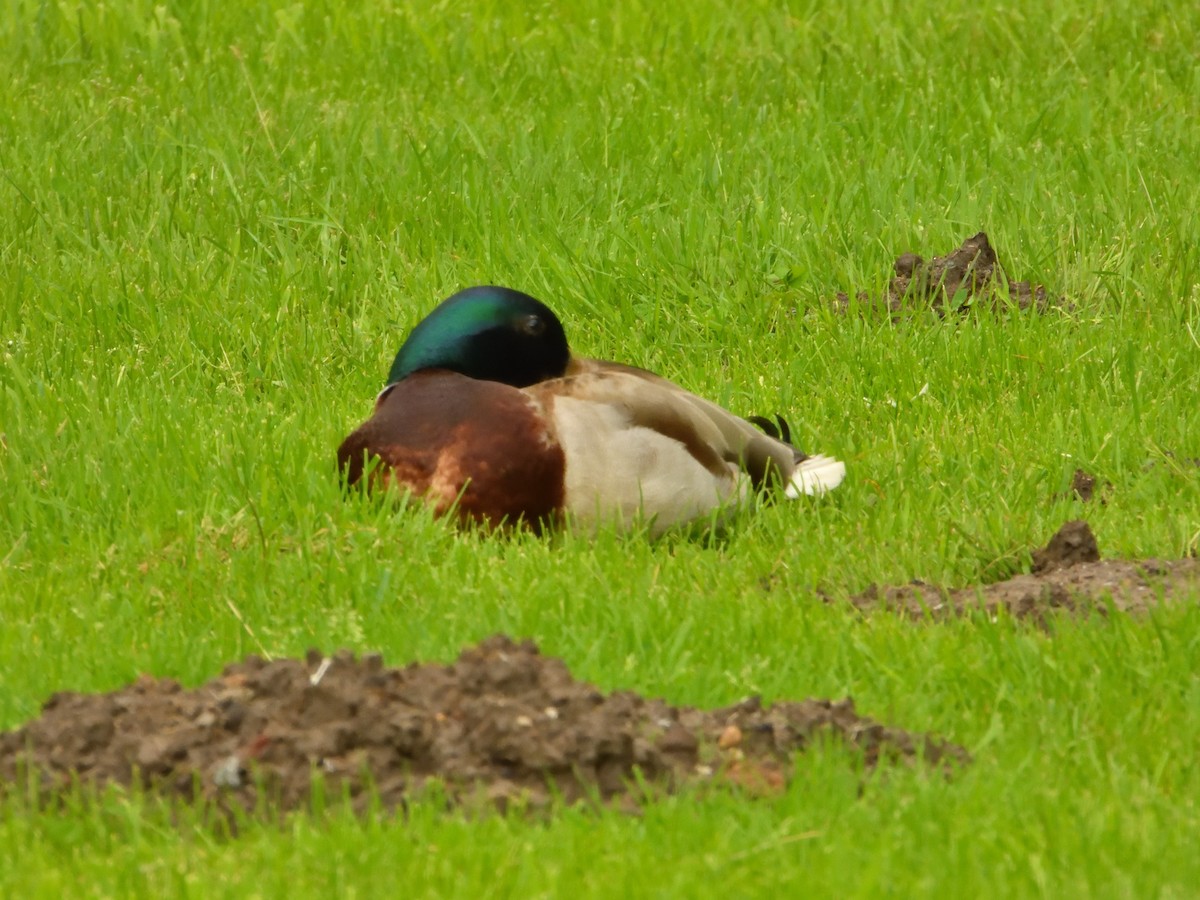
x: 968, y: 278
x: 1067, y: 574
x: 501, y: 723
x: 1072, y: 545
x: 1083, y: 488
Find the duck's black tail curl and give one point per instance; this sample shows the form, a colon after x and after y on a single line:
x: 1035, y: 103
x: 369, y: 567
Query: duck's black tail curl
x: 781, y: 432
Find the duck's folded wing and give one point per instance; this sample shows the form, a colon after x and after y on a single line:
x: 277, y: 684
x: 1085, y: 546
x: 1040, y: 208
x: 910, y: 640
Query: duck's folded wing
x: 715, y: 437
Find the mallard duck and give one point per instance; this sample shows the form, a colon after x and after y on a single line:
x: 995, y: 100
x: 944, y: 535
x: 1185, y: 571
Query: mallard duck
x: 487, y: 413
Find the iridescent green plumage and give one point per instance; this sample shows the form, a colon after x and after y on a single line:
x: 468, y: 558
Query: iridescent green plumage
x: 488, y: 333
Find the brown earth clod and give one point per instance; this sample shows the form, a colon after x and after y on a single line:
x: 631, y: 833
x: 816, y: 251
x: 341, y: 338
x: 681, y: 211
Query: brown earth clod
x: 503, y: 722
x: 1071, y: 545
x: 1086, y: 487
x: 1083, y: 485
x: 1067, y: 575
x: 966, y: 278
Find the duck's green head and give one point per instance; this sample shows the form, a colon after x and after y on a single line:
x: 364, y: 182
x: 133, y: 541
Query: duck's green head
x: 489, y: 333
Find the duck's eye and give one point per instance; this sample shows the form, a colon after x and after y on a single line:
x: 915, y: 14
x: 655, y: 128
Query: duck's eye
x: 534, y: 326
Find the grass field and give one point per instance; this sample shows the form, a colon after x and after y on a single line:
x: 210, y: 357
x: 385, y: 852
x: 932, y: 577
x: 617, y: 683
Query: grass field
x: 218, y: 224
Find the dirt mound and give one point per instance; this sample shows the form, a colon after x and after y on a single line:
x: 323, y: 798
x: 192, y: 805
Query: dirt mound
x: 503, y: 722
x: 1083, y: 488
x: 1067, y: 574
x: 965, y: 279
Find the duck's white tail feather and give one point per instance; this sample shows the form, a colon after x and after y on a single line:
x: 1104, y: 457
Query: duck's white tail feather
x: 816, y: 475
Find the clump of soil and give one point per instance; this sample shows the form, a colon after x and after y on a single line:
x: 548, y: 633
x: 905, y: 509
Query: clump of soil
x: 1072, y: 545
x: 1067, y: 574
x: 1083, y: 487
x: 965, y: 279
x: 502, y: 722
